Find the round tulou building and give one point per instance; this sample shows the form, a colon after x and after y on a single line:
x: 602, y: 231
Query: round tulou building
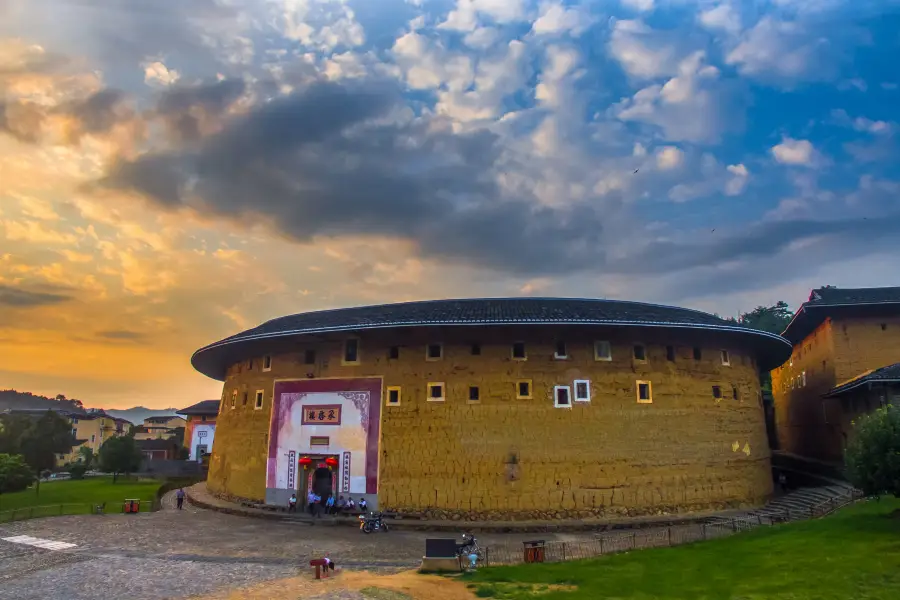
x: 515, y: 408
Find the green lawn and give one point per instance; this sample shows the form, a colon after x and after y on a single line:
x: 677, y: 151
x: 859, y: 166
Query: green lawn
x: 76, y: 494
x: 854, y: 554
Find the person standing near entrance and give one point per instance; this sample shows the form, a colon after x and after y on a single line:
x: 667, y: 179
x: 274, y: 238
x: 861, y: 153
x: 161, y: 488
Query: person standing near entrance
x: 329, y: 505
x: 311, y: 500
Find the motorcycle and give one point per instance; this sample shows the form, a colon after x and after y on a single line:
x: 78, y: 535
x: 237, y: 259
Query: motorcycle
x: 372, y: 522
x: 470, y: 546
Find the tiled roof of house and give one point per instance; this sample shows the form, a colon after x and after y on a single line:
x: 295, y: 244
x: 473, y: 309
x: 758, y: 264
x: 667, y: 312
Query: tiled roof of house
x: 155, y: 444
x: 826, y: 301
x: 205, y: 407
x: 161, y: 419
x: 211, y: 359
x: 888, y: 374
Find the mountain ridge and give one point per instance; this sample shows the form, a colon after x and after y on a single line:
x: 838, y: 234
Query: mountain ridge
x: 15, y: 400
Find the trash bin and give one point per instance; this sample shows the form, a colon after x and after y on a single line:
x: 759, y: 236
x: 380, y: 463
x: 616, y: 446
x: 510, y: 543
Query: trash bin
x: 534, y: 551
x: 132, y: 505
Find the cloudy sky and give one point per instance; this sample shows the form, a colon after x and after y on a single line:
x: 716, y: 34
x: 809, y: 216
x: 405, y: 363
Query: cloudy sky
x: 172, y: 172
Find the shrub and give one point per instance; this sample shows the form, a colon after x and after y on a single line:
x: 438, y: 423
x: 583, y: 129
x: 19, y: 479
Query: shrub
x: 872, y: 457
x: 77, y: 470
x: 15, y: 474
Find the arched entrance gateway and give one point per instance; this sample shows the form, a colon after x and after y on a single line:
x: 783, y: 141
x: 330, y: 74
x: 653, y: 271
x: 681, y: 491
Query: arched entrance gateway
x: 320, y: 477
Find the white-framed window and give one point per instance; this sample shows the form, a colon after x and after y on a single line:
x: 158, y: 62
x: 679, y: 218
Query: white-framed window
x: 602, y: 350
x: 803, y: 378
x: 393, y: 395
x: 474, y: 394
x: 435, y: 392
x: 523, y: 389
x: 233, y: 399
x: 562, y: 396
x: 434, y: 351
x: 640, y: 353
x: 726, y: 359
x: 267, y: 363
x: 351, y: 352
x: 561, y: 352
x: 582, y: 388
x: 518, y: 351
x: 644, y: 391
x: 260, y: 395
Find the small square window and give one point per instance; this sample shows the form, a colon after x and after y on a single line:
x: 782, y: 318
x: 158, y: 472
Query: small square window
x: 670, y: 353
x: 560, y: 351
x: 250, y: 365
x: 602, y: 350
x: 562, y: 397
x: 735, y: 394
x: 698, y: 354
x: 523, y: 389
x: 393, y: 396
x: 435, y: 392
x: 260, y: 394
x: 246, y: 397
x: 884, y: 326
x: 233, y: 398
x: 351, y: 352
x: 803, y: 379
x: 474, y: 393
x: 394, y: 352
x: 726, y: 360
x: 434, y: 352
x: 644, y: 392
x: 582, y: 390
x: 309, y: 357
x: 476, y: 349
x: 717, y: 391
x: 640, y: 352
x: 518, y: 351
x: 267, y: 363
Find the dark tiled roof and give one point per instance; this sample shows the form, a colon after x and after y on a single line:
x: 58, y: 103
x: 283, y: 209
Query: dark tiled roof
x: 888, y: 374
x: 825, y: 302
x: 155, y: 444
x: 205, y: 407
x: 164, y: 419
x: 474, y: 311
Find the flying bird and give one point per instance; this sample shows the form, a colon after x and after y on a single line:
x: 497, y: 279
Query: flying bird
x: 636, y: 170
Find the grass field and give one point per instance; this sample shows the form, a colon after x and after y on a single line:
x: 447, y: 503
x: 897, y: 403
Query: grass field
x: 76, y: 494
x: 854, y: 554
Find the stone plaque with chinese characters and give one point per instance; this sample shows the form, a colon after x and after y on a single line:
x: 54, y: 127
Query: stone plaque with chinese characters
x: 322, y: 415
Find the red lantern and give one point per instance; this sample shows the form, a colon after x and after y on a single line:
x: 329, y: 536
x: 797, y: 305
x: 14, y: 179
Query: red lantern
x: 305, y: 461
x: 331, y: 462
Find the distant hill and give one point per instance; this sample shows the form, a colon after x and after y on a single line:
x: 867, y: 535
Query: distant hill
x: 12, y: 399
x: 137, y: 414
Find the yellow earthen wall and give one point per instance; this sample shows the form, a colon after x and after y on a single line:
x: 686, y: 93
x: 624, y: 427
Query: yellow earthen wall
x: 503, y: 457
x: 838, y: 350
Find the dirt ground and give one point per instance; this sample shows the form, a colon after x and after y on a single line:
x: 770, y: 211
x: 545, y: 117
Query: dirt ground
x: 409, y: 583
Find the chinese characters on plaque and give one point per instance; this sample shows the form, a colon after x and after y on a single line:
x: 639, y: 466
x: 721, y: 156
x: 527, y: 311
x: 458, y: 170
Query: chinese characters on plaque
x: 345, y: 472
x: 292, y: 456
x: 322, y: 415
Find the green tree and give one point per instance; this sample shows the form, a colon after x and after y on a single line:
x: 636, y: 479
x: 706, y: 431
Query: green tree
x: 120, y: 455
x: 46, y: 437
x: 15, y: 474
x: 12, y: 427
x: 86, y: 456
x: 77, y: 470
x: 872, y: 457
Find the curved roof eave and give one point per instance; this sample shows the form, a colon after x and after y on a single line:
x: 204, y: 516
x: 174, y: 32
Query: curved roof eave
x: 214, y: 373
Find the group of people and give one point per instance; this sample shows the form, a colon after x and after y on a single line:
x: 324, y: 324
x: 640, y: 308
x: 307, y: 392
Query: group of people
x: 316, y: 505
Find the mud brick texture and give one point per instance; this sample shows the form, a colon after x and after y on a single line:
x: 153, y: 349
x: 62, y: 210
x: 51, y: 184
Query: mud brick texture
x: 505, y: 457
x: 837, y: 350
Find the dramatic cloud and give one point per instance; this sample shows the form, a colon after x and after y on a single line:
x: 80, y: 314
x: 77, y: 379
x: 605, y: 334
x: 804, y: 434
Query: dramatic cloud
x: 19, y: 298
x: 794, y: 152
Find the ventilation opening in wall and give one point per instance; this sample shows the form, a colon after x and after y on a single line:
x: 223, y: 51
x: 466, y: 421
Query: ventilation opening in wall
x: 602, y: 350
x: 717, y: 392
x: 244, y: 403
x: 351, y: 351
x: 735, y: 393
x: 476, y: 349
x: 698, y: 354
x: 884, y: 326
x: 560, y: 351
x: 393, y: 396
x: 640, y: 352
x: 670, y: 353
x: 644, y: 392
x: 267, y: 363
x: 474, y: 393
x: 309, y: 357
x: 435, y: 392
x: 434, y: 351
x: 523, y: 389
x: 394, y: 352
